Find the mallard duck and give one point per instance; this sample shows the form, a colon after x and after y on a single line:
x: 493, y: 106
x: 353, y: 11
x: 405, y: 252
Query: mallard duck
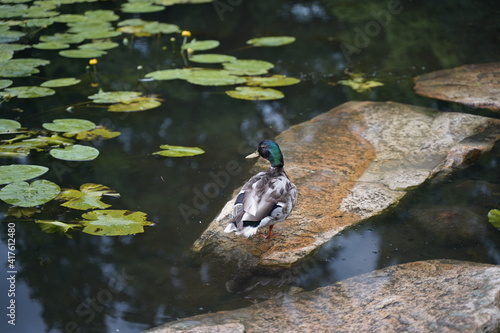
x: 266, y: 199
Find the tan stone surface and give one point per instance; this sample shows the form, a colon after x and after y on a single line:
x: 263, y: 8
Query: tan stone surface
x: 473, y: 85
x: 349, y: 164
x: 429, y: 296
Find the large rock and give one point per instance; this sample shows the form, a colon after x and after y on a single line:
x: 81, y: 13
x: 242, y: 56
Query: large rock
x: 430, y: 296
x: 473, y: 85
x: 349, y: 164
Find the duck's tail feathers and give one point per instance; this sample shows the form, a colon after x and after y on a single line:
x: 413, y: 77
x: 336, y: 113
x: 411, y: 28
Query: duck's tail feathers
x: 230, y: 227
x: 247, y: 231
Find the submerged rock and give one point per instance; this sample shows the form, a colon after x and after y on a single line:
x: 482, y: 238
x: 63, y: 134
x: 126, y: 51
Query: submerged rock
x: 349, y: 164
x: 473, y: 85
x: 427, y: 296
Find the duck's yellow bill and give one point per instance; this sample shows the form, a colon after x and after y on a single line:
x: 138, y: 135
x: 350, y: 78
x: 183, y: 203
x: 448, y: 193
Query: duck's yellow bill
x: 253, y: 155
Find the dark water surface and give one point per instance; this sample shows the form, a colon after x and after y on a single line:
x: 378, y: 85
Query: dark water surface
x: 131, y: 283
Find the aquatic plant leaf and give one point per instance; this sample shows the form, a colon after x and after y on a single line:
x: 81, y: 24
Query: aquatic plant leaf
x: 140, y: 7
x: 63, y: 38
x: 114, y: 222
x: 27, y: 92
x: 5, y: 83
x: 178, y: 151
x: 64, y: 82
x: 99, y: 46
x: 138, y: 104
x: 176, y: 2
x: 100, y: 132
x: 70, y: 125
x: 82, y: 53
x: 271, y: 41
x: 75, y: 153
x: 211, y: 58
x: 248, y: 67
x: 8, y: 126
x: 255, y: 93
x: 359, y: 84
x: 8, y: 11
x: 169, y: 74
x: 19, y: 172
x: 101, y: 15
x: 22, y: 148
x: 51, y: 227
x: 6, y: 55
x: 24, y: 194
x: 21, y: 67
x: 212, y: 77
x: 9, y: 36
x: 88, y: 197
x: 271, y: 81
x: 70, y: 18
x: 494, y: 217
x: 20, y: 212
x: 160, y: 28
x: 115, y: 96
x: 51, y: 46
x: 14, y: 47
x: 201, y: 45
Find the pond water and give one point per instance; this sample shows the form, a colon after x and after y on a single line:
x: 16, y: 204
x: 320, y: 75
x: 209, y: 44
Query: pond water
x: 130, y: 283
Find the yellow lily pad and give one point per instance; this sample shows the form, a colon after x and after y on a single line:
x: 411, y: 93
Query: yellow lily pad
x: 178, y: 151
x: 50, y: 227
x: 100, y: 132
x: 88, y: 197
x: 114, y: 222
x: 271, y: 81
x: 138, y: 104
x: 255, y: 93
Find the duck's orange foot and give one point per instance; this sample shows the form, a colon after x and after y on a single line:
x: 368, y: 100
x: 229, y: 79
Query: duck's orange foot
x: 270, y: 234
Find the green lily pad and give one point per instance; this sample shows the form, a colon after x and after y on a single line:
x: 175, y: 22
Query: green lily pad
x: 88, y: 197
x: 19, y: 172
x: 82, y: 53
x: 51, y: 46
x: 13, y: 47
x: 178, y: 151
x: 9, y: 36
x: 75, y: 153
x: 24, y: 194
x: 101, y: 15
x: 6, y: 55
x: 100, y: 132
x: 115, y: 96
x: 494, y: 217
x: 5, y: 83
x: 21, y: 67
x: 64, y: 82
x: 70, y: 125
x: 248, y: 67
x: 114, y: 222
x: 27, y: 92
x: 70, y: 18
x: 201, y: 45
x: 169, y: 74
x: 212, y: 77
x: 140, y: 7
x: 360, y: 84
x: 211, y: 58
x: 176, y: 2
x: 160, y: 28
x: 255, y: 93
x: 51, y: 227
x: 271, y: 81
x: 66, y: 38
x: 9, y: 11
x: 138, y: 104
x: 271, y: 41
x: 99, y: 46
x: 8, y: 126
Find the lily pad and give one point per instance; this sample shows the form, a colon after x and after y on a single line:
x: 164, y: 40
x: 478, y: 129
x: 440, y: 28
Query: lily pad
x: 75, y: 153
x: 255, y: 93
x: 211, y: 58
x: 23, y: 194
x: 271, y: 81
x: 62, y: 38
x: 169, y: 74
x: 82, y: 53
x: 201, y: 45
x: 212, y: 77
x: 88, y: 197
x: 248, y: 67
x: 8, y: 126
x: 138, y: 104
x: 114, y: 222
x: 9, y: 36
x: 494, y: 217
x: 57, y: 227
x: 359, y: 84
x: 64, y: 82
x: 100, y: 132
x: 27, y: 92
x: 115, y: 96
x: 21, y: 212
x: 140, y: 7
x: 70, y: 125
x: 178, y: 151
x: 5, y: 83
x: 271, y: 41
x: 19, y: 172
x: 51, y: 46
x: 99, y: 46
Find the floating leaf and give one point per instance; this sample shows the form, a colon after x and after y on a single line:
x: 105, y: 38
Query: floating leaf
x: 248, y: 67
x: 211, y: 58
x: 64, y: 82
x: 138, y: 104
x: 82, y: 53
x: 494, y: 217
x: 51, y: 227
x: 160, y: 28
x: 21, y: 67
x: 140, y: 7
x: 271, y: 41
x: 88, y: 197
x: 8, y: 126
x: 271, y: 81
x: 100, y: 132
x: 115, y: 96
x: 175, y: 2
x: 13, y: 47
x: 22, y: 148
x: 19, y: 172
x: 24, y: 194
x: 358, y: 83
x: 27, y: 92
x: 63, y: 38
x: 212, y: 77
x: 6, y: 55
x: 9, y: 36
x: 75, y: 153
x: 178, y: 151
x: 69, y: 125
x: 20, y: 212
x: 169, y: 74
x: 255, y: 93
x: 99, y: 46
x: 114, y: 222
x: 201, y: 45
x: 70, y: 18
x: 51, y: 46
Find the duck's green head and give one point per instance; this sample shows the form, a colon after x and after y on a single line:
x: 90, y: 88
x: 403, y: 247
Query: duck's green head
x: 269, y: 150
